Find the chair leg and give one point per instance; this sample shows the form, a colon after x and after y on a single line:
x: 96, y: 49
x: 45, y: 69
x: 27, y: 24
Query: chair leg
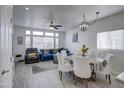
x: 100, y: 67
x: 94, y: 77
x: 86, y: 83
x: 75, y: 80
x: 70, y: 72
x: 60, y: 75
x: 96, y: 66
x: 106, y: 76
x: 109, y: 79
x: 73, y: 76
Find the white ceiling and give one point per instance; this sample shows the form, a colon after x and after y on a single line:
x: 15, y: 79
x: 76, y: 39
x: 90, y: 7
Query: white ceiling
x: 38, y: 16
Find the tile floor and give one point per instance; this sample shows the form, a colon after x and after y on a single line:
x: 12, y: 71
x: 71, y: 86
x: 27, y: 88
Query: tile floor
x: 24, y: 78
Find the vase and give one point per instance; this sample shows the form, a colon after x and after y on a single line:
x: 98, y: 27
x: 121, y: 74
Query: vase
x: 83, y: 54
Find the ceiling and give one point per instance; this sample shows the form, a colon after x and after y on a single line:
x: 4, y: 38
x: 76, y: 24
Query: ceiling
x: 39, y: 16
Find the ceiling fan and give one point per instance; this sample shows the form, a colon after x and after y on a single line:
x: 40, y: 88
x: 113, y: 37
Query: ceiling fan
x: 50, y: 19
x: 53, y: 27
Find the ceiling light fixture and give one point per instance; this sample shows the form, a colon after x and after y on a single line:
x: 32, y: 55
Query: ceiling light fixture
x: 84, y: 24
x: 27, y: 8
x: 51, y: 28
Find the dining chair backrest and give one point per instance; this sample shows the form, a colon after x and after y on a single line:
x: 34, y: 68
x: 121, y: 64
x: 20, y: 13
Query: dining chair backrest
x: 60, y: 61
x: 63, y: 52
x: 108, y: 59
x: 59, y: 57
x: 81, y: 66
x: 63, y: 64
x: 102, y: 54
x: 98, y: 53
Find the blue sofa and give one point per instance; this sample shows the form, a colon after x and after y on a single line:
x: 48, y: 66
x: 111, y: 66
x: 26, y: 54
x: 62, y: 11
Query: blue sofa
x: 50, y: 53
x: 46, y: 57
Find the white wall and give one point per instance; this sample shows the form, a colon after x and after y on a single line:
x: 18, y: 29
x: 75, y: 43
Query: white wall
x: 20, y: 31
x: 89, y: 38
x: 19, y: 49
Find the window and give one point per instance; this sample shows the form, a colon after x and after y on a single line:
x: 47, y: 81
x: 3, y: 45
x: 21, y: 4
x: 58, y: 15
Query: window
x: 48, y: 42
x: 27, y: 40
x: 117, y: 39
x: 111, y: 40
x: 56, y: 34
x: 28, y: 32
x: 37, y: 33
x: 43, y: 42
x: 38, y: 42
x: 56, y: 42
x: 49, y: 34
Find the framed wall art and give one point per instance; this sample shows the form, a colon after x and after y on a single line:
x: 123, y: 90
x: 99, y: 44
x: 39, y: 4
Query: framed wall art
x: 20, y: 40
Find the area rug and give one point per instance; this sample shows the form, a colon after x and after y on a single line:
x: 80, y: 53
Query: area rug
x: 38, y: 69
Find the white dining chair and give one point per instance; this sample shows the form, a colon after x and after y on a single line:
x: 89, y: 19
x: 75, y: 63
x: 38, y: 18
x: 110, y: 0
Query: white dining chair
x: 81, y: 68
x: 64, y: 53
x: 99, y: 60
x: 63, y: 65
x: 107, y: 67
x: 97, y: 55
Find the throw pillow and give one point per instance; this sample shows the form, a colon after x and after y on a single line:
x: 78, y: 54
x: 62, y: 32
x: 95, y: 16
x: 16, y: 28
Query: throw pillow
x: 50, y: 51
x: 31, y: 54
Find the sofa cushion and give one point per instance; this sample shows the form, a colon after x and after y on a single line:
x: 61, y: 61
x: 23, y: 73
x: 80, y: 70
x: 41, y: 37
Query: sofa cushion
x: 50, y: 51
x: 31, y: 55
x: 31, y: 58
x: 42, y: 50
x: 47, y: 55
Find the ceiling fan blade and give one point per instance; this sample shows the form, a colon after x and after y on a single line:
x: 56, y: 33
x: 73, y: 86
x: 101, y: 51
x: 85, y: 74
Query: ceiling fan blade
x: 55, y: 25
x: 58, y: 25
x: 56, y: 28
x: 52, y: 26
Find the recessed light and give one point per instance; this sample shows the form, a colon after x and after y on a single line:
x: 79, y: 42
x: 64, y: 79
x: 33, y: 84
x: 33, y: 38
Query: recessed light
x: 27, y: 8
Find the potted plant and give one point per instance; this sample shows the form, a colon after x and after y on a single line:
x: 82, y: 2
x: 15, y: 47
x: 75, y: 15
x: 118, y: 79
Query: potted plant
x: 84, y: 50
